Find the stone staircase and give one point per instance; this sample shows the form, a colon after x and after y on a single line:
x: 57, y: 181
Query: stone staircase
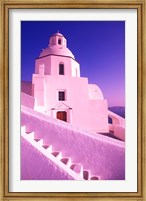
x: 76, y: 170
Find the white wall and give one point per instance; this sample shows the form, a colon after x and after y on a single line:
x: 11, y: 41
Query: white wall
x: 27, y: 100
x: 35, y: 166
x: 103, y: 156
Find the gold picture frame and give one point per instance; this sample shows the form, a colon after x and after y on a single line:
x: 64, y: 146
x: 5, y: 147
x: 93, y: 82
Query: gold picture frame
x: 5, y: 6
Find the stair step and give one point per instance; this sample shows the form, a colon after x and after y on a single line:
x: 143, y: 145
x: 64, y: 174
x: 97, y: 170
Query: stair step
x: 23, y: 129
x: 66, y: 161
x: 28, y: 132
x: 48, y: 147
x: 30, y: 135
x: 39, y: 141
x: 57, y: 154
x: 77, y: 168
x: 94, y: 178
x: 86, y: 175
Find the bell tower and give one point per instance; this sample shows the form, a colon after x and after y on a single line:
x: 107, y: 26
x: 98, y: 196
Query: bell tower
x: 58, y: 39
x: 57, y: 59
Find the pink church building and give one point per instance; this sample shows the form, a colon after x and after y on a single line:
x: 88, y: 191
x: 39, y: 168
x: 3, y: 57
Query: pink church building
x: 61, y: 93
x: 73, y: 148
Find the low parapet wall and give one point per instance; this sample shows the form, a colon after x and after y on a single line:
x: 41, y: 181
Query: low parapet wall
x: 117, y: 126
x: 116, y: 119
x: 102, y: 155
x: 26, y: 87
x: 36, y: 166
x: 27, y: 100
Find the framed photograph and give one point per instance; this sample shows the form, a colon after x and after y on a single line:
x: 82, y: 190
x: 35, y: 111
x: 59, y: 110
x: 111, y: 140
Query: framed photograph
x: 72, y: 105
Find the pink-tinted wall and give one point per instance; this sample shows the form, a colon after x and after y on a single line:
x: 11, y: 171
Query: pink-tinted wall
x: 35, y: 166
x: 119, y: 131
x: 52, y: 62
x: 82, y: 111
x: 116, y: 119
x: 117, y: 126
x: 103, y: 156
x: 26, y: 87
x: 27, y: 100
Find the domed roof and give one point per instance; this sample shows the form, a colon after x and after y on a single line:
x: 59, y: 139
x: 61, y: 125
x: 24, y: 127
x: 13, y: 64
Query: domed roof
x: 56, y: 50
x: 58, y: 34
x: 95, y: 92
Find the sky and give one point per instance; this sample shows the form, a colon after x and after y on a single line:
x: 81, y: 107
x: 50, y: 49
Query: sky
x: 98, y: 46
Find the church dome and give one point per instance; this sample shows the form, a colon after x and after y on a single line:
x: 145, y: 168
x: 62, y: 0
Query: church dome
x: 58, y: 34
x: 55, y: 50
x: 57, y: 46
x: 95, y: 92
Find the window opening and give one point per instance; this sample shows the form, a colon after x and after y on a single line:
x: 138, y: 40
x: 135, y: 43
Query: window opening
x: 59, y: 41
x: 61, y: 95
x: 61, y: 69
